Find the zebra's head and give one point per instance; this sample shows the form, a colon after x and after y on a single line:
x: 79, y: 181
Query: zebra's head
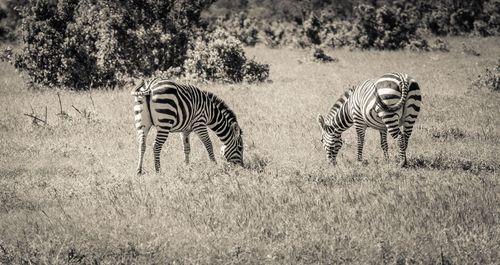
x: 233, y: 149
x: 332, y: 142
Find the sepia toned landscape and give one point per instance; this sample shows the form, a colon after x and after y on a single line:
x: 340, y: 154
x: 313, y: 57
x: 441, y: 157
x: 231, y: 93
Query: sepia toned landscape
x: 69, y: 193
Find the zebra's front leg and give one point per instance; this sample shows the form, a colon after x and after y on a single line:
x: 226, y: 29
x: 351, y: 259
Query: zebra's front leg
x: 202, y: 132
x: 360, y: 131
x: 186, y: 145
x: 161, y: 137
x: 383, y: 144
x: 141, y: 137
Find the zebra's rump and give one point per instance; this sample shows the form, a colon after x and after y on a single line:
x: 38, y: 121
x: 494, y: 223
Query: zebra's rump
x: 389, y: 88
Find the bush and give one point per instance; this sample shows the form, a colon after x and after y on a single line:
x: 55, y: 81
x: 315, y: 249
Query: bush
x: 312, y: 27
x: 241, y: 27
x: 9, y: 19
x: 319, y: 55
x: 489, y: 22
x: 256, y: 72
x: 83, y: 43
x: 424, y: 45
x: 220, y: 56
x: 384, y: 27
x: 490, y: 79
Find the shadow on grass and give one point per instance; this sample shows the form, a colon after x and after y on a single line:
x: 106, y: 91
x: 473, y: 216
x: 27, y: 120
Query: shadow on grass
x: 445, y: 162
x: 449, y: 134
x: 256, y: 163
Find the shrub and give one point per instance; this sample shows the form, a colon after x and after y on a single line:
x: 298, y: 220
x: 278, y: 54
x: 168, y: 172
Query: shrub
x: 220, y: 56
x: 383, y: 28
x: 489, y: 22
x: 83, y: 43
x: 9, y: 19
x: 337, y: 34
x: 419, y: 45
x: 424, y: 45
x: 490, y: 79
x: 439, y: 45
x: 312, y: 27
x: 256, y: 72
x: 320, y: 56
x: 241, y: 27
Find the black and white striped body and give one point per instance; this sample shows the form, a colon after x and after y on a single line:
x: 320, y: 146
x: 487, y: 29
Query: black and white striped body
x: 389, y: 104
x: 172, y: 107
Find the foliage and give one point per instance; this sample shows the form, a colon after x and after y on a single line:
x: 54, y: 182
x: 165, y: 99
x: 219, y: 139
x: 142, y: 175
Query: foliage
x: 319, y: 55
x: 361, y: 24
x: 83, y: 43
x: 312, y: 27
x: 256, y: 72
x: 383, y: 28
x: 240, y: 26
x: 490, y: 79
x: 220, y: 56
x: 488, y: 23
x: 424, y: 45
x: 9, y: 19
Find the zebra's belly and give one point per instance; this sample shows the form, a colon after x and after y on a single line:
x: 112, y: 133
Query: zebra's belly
x: 164, y: 110
x: 167, y: 114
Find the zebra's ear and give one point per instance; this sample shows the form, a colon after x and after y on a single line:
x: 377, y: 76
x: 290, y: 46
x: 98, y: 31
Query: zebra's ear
x: 321, y: 121
x: 136, y: 88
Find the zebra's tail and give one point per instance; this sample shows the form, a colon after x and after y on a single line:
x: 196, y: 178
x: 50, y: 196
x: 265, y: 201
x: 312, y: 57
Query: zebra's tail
x: 404, y: 85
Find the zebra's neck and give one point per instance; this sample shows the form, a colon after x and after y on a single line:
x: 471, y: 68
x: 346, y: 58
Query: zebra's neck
x: 219, y: 118
x: 339, y: 117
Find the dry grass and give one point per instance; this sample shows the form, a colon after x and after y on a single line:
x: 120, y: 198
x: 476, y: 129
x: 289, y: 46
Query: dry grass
x: 68, y: 193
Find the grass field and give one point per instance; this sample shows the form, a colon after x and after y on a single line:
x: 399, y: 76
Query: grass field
x: 69, y: 194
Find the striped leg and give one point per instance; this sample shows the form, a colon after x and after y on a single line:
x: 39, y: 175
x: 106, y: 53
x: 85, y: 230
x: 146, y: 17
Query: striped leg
x: 203, y: 134
x: 141, y: 137
x: 360, y: 131
x: 186, y: 144
x: 391, y: 121
x: 383, y: 143
x: 403, y: 144
x: 161, y: 137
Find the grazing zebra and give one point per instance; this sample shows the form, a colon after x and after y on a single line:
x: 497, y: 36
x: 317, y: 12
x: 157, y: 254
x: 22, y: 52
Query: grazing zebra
x: 389, y: 104
x: 173, y: 107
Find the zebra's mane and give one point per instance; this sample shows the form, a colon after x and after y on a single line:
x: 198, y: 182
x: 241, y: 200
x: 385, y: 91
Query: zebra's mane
x: 339, y: 103
x: 221, y: 105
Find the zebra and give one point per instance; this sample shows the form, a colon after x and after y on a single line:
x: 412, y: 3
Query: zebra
x: 172, y: 107
x: 389, y: 104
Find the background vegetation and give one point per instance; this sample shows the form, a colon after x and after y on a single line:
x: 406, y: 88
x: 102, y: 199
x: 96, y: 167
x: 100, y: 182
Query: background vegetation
x: 82, y: 44
x: 69, y: 194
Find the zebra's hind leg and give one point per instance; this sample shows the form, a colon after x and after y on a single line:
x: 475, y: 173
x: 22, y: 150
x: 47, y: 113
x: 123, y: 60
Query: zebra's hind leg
x: 404, y: 137
x: 403, y: 144
x: 141, y: 137
x: 383, y: 144
x: 161, y: 137
x: 186, y: 145
x: 360, y: 131
x: 205, y: 139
